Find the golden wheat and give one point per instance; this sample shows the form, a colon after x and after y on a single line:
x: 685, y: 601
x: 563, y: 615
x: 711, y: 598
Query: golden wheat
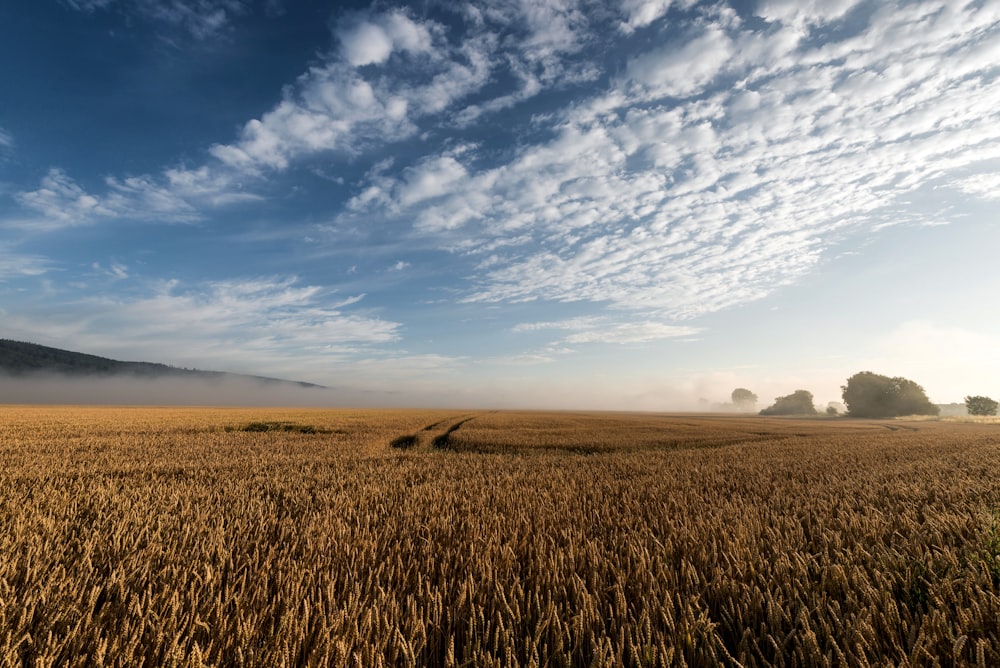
x: 253, y: 537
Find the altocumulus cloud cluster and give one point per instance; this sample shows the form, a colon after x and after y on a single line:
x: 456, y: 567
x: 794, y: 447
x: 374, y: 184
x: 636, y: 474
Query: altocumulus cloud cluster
x: 630, y: 168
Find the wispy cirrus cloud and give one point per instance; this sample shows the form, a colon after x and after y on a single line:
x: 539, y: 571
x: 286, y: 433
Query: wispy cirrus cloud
x: 985, y: 186
x: 339, y: 106
x: 391, y: 76
x: 62, y: 200
x: 202, y: 19
x: 276, y: 322
x: 805, y: 12
x: 704, y: 172
x: 603, y: 329
x: 116, y: 270
x: 720, y: 167
x: 580, y: 323
x: 179, y: 196
x: 393, y: 72
x: 641, y: 13
x: 632, y: 332
x: 14, y: 264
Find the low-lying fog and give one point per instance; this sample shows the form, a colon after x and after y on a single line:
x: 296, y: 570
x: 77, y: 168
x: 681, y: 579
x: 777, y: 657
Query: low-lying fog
x: 235, y: 390
x: 135, y: 390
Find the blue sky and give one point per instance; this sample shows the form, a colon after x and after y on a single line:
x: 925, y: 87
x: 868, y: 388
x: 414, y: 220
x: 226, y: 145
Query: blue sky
x: 517, y: 202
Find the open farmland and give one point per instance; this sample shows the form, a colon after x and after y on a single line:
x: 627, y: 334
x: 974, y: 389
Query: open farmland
x: 269, y: 537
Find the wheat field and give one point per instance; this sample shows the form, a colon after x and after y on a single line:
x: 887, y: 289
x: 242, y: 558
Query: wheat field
x: 278, y: 537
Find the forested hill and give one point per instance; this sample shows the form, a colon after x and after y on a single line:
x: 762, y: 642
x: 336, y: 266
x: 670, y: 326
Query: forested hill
x: 19, y: 358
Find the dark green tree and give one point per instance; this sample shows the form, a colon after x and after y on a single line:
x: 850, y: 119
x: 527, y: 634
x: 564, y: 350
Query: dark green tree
x: 799, y: 402
x: 872, y: 395
x: 744, y: 399
x: 980, y: 406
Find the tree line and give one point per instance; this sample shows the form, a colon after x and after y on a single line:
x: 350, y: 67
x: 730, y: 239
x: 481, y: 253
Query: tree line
x: 866, y: 395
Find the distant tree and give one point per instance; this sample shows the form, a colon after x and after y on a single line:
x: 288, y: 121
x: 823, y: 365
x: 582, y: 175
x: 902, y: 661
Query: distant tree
x: 872, y: 395
x: 980, y: 405
x: 836, y: 406
x: 799, y: 402
x: 744, y: 399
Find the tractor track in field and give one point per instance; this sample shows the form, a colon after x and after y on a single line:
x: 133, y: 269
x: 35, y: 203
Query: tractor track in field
x: 435, y: 436
x: 442, y: 440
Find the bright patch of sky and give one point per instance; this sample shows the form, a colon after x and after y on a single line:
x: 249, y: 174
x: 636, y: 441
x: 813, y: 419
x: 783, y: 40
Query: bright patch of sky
x: 636, y: 204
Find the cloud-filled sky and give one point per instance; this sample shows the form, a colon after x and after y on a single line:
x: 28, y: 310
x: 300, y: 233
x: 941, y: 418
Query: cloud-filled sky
x: 576, y: 203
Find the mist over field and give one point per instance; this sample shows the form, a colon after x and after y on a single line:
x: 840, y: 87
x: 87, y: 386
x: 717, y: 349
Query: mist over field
x: 53, y: 388
x: 698, y: 394
x: 50, y: 388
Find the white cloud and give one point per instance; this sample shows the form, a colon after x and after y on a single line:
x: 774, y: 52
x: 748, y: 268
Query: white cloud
x: 632, y: 200
x: 985, y: 186
x: 529, y: 87
x: 639, y: 332
x: 16, y: 265
x: 336, y: 107
x: 176, y: 197
x: 680, y: 70
x: 365, y: 44
x: 581, y: 323
x: 142, y: 197
x: 808, y: 12
x: 62, y: 200
x: 640, y: 13
x: 554, y: 27
x: 726, y: 196
x: 430, y: 179
x: 332, y: 107
x: 6, y: 140
x: 116, y: 270
x: 368, y: 41
x: 717, y: 164
x: 598, y: 329
x: 535, y: 42
x: 204, y: 186
x: 268, y: 324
